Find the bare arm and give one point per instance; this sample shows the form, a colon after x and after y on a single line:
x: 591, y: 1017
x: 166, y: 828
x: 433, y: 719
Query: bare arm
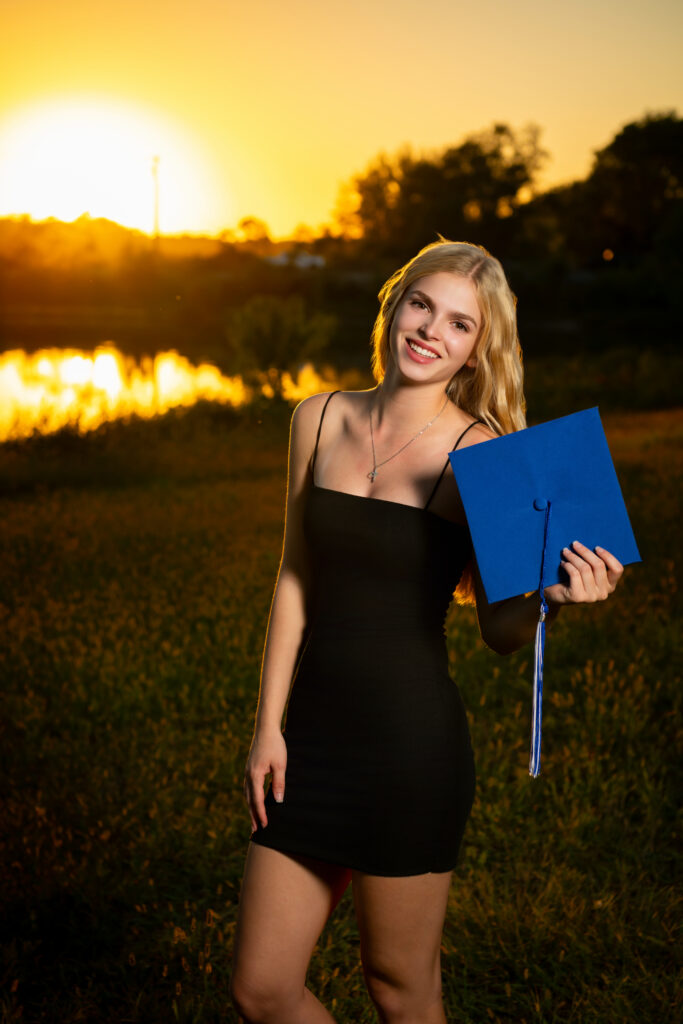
x: 506, y: 626
x: 286, y: 625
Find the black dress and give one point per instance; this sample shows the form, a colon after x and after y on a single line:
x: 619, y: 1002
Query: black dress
x: 380, y: 773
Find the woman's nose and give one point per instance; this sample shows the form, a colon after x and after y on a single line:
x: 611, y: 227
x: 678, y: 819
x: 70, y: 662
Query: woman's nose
x: 428, y: 329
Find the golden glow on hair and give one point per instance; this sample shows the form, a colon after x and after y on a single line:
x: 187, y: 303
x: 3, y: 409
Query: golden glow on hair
x: 492, y: 391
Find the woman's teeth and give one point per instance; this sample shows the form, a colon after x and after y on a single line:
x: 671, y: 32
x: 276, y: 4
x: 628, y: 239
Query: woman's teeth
x: 422, y: 351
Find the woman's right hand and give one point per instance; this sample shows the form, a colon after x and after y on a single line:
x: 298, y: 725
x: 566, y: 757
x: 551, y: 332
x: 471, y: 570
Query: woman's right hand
x: 267, y: 756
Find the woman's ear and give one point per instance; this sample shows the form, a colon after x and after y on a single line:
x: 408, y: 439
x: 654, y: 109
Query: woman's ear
x: 471, y: 362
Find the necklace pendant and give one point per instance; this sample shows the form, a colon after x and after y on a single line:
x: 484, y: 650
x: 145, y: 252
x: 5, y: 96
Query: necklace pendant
x: 371, y: 475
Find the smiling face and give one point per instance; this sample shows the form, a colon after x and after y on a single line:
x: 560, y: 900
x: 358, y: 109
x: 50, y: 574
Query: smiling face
x: 435, y: 329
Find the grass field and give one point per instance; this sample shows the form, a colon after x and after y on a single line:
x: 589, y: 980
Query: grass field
x: 137, y: 570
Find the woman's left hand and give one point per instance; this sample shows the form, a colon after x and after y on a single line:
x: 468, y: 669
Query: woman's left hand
x: 593, y: 575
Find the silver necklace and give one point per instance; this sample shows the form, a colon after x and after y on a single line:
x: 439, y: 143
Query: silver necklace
x: 376, y: 465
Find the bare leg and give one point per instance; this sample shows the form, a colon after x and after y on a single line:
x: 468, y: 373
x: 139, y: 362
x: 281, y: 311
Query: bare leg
x: 400, y: 922
x: 284, y: 904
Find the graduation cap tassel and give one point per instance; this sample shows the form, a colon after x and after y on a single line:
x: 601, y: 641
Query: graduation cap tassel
x: 537, y: 702
x: 539, y: 650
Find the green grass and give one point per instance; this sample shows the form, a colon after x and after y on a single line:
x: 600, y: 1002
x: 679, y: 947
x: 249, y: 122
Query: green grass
x: 137, y: 569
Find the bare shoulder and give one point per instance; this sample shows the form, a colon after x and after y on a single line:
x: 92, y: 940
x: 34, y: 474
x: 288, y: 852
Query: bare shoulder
x: 478, y: 433
x: 306, y: 420
x: 307, y: 414
x: 313, y: 405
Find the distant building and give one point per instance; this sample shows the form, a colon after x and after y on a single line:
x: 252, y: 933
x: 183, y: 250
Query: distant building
x: 301, y: 259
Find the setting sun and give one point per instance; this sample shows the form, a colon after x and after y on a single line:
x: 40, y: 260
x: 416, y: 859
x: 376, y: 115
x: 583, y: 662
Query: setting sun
x: 85, y: 155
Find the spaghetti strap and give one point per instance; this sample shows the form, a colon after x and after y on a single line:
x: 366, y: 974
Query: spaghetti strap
x: 469, y: 427
x: 320, y: 427
x: 441, y: 474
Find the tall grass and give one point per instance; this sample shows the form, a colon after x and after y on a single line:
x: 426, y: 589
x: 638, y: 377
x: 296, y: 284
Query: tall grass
x: 137, y: 569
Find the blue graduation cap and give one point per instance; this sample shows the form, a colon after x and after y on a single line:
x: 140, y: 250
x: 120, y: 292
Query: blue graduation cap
x: 529, y: 494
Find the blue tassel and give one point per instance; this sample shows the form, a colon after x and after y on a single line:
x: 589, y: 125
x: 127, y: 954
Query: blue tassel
x: 539, y: 651
x: 537, y: 701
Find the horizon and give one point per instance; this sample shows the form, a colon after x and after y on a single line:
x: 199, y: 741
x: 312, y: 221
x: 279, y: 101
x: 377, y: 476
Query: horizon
x: 233, y: 229
x: 265, y: 112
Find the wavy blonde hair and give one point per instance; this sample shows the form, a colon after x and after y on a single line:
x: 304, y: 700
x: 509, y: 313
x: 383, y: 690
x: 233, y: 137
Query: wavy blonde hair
x: 492, y: 391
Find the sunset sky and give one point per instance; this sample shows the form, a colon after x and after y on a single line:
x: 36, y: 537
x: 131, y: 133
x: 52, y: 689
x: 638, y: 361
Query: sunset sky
x: 262, y: 108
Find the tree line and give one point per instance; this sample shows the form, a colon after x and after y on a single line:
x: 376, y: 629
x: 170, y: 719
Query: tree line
x: 595, y: 263
x: 486, y: 188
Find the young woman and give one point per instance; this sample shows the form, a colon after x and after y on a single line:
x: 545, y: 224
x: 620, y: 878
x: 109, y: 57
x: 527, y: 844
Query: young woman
x: 373, y: 779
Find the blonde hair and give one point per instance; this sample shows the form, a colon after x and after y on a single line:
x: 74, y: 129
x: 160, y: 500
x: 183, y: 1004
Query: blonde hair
x: 491, y: 391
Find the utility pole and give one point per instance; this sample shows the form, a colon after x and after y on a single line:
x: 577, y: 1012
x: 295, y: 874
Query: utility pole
x: 155, y: 175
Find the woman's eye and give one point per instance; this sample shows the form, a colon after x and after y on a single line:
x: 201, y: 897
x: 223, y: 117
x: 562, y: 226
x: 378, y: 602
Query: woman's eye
x: 460, y: 325
x: 419, y: 303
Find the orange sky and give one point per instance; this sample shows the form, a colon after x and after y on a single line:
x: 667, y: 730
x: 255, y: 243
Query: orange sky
x: 263, y: 108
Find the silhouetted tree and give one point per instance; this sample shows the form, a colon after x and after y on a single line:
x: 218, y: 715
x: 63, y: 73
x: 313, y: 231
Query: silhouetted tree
x: 630, y: 203
x: 366, y: 204
x: 470, y: 190
x: 638, y: 182
x: 252, y: 233
x: 274, y: 334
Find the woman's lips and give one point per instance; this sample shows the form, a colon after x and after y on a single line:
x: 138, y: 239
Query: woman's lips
x: 417, y: 351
